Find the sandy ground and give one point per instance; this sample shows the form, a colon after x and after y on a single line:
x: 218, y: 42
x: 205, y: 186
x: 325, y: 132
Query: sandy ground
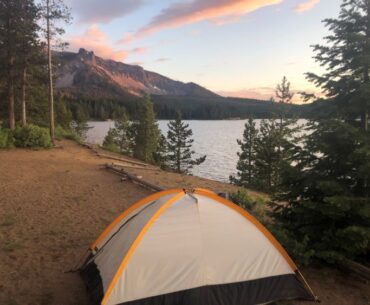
x: 53, y: 203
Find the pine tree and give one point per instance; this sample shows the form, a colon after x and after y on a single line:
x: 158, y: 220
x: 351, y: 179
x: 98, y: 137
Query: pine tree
x: 30, y: 49
x: 54, y: 12
x: 268, y: 157
x: 180, y: 153
x: 63, y: 115
x: 326, y: 202
x: 346, y: 59
x: 121, y: 138
x: 79, y: 124
x: 160, y: 156
x: 246, y: 175
x: 265, y: 153
x: 284, y: 96
x: 147, y: 133
x: 9, y: 25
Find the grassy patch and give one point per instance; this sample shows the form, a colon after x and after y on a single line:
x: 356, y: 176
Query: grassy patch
x: 11, y: 246
x: 255, y: 206
x: 61, y: 133
x: 54, y: 232
x: 7, y: 220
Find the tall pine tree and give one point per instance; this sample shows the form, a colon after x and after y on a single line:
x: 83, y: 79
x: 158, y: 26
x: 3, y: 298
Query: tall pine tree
x: 326, y: 202
x: 147, y: 133
x: 9, y: 26
x: 346, y: 59
x: 326, y: 190
x: 54, y: 12
x: 284, y: 96
x: 121, y: 138
x: 30, y: 50
x: 246, y: 167
x: 180, y: 153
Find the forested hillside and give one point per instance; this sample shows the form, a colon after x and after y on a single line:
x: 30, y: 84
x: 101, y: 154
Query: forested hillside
x: 104, y: 89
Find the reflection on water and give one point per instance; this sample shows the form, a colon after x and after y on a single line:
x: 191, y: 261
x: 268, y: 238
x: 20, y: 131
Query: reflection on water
x: 216, y: 139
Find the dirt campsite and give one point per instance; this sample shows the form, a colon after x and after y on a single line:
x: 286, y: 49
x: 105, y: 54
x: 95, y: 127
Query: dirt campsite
x: 54, y: 203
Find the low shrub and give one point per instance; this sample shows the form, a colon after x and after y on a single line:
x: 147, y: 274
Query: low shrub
x: 61, y: 133
x: 6, y: 138
x: 254, y: 206
x: 243, y: 199
x: 32, y: 136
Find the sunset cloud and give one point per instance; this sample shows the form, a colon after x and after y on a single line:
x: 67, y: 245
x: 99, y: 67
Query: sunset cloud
x: 265, y: 93
x: 162, y: 59
x: 306, y: 6
x: 260, y: 93
x: 182, y: 13
x: 93, y: 39
x: 98, y: 11
x: 139, y: 50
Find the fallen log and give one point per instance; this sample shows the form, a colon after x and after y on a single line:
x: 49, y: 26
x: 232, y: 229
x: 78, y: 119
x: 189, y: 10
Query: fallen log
x: 123, y: 160
x: 120, y: 171
x: 357, y: 268
x: 107, y: 156
x: 136, y: 167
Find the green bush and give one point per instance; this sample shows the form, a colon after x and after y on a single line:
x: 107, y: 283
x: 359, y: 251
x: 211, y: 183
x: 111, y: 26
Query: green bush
x: 6, y: 138
x: 254, y: 206
x: 32, y: 136
x: 242, y: 199
x: 61, y: 133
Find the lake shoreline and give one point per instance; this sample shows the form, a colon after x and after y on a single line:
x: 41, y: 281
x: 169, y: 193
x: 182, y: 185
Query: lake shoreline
x: 217, y: 139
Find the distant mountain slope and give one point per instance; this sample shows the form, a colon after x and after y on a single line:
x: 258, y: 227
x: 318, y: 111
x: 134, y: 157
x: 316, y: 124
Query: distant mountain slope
x: 85, y: 72
x: 104, y: 89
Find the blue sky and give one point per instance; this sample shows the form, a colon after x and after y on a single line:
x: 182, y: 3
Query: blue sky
x: 234, y: 47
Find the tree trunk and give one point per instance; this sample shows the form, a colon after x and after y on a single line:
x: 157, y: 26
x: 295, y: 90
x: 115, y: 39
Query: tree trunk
x: 178, y: 160
x: 365, y: 117
x: 10, y: 71
x: 50, y: 73
x: 11, y: 92
x: 24, y: 79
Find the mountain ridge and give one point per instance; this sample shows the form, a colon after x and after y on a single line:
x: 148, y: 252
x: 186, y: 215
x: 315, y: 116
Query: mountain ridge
x: 104, y: 89
x: 87, y: 71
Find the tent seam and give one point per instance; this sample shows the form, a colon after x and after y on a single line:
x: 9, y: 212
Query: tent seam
x: 254, y: 221
x: 130, y: 209
x: 137, y: 241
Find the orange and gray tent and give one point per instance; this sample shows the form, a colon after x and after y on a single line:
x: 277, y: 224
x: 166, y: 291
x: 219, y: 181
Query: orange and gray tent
x: 179, y: 248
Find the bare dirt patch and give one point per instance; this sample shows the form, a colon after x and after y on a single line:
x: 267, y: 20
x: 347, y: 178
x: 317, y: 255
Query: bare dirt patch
x: 53, y: 204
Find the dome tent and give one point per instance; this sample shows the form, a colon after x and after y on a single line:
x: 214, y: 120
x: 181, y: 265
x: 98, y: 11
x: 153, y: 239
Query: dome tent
x: 196, y: 248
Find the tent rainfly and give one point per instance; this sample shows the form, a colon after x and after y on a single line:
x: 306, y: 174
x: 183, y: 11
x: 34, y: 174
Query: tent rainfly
x: 179, y: 248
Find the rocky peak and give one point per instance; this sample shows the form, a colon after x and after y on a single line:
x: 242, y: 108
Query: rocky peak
x: 86, y: 70
x: 87, y: 56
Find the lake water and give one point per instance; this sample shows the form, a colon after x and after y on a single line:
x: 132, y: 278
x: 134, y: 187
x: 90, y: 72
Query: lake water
x: 216, y: 139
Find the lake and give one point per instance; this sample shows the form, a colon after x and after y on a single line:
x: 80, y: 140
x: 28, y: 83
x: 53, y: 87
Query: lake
x: 216, y: 139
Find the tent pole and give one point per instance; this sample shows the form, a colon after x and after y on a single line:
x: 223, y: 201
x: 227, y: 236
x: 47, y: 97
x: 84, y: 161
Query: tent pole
x: 316, y: 298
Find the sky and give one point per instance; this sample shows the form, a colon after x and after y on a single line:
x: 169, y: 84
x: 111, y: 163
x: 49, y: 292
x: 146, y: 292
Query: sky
x: 233, y: 47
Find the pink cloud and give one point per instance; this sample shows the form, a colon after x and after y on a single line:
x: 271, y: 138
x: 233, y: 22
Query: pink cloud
x: 265, y: 93
x: 306, y: 6
x: 126, y: 39
x: 139, y: 50
x: 163, y: 59
x: 260, y: 93
x: 225, y: 20
x: 93, y: 39
x: 183, y: 13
